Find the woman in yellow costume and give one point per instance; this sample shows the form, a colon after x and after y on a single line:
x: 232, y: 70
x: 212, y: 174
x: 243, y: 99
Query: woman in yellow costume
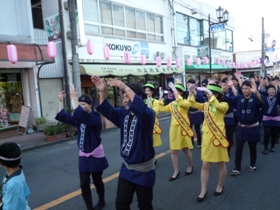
x: 214, y: 143
x: 180, y: 132
x: 153, y: 104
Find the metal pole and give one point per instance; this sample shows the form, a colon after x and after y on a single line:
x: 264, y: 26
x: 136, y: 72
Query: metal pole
x: 210, y: 57
x: 263, y: 49
x: 66, y: 78
x: 74, y: 44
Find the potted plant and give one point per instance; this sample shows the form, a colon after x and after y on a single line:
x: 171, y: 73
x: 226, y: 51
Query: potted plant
x: 54, y: 130
x: 40, y: 122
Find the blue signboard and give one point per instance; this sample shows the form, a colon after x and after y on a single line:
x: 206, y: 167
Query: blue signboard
x: 218, y: 27
x: 270, y: 49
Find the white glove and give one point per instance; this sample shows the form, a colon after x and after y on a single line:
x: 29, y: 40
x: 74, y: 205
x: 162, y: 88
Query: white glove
x: 204, y: 89
x: 160, y: 93
x: 191, y: 88
x: 172, y: 86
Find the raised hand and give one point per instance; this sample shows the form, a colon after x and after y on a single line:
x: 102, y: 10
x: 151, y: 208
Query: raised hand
x: 160, y: 93
x: 98, y: 82
x: 61, y: 95
x: 73, y: 92
x: 116, y: 83
x: 191, y: 88
x: 204, y: 89
x: 254, y: 87
x: 229, y: 82
x: 172, y: 86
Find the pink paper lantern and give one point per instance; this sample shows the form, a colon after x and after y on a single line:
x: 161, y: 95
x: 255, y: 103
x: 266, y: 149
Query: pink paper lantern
x: 126, y: 56
x: 158, y: 61
x: 178, y: 63
x: 223, y: 62
x: 245, y: 65
x: 51, y: 49
x: 217, y: 61
x: 233, y: 65
x: 254, y: 63
x: 12, y: 53
x: 264, y: 62
x: 257, y: 61
x: 168, y: 62
x: 198, y: 61
x: 189, y: 62
x: 143, y: 59
x: 205, y: 60
x: 228, y: 64
x: 106, y: 52
x: 89, y: 47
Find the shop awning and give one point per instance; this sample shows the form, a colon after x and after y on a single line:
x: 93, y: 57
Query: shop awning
x: 206, y: 68
x: 27, y: 52
x: 125, y: 70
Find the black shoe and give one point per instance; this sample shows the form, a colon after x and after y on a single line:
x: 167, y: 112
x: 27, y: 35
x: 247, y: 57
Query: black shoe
x: 199, y: 199
x: 189, y: 173
x: 99, y: 205
x: 174, y: 178
x: 218, y: 193
x: 265, y: 152
x: 272, y: 150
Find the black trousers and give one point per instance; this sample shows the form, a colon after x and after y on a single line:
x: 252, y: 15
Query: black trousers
x: 270, y: 132
x: 198, y: 133
x: 229, y: 135
x: 125, y: 193
x: 239, y: 152
x: 85, y: 187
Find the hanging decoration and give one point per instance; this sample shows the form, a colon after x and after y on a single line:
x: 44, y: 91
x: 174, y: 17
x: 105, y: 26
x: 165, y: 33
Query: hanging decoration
x: 51, y: 49
x: 12, y: 53
x: 143, y: 59
x: 178, y: 63
x: 228, y: 64
x: 198, y: 61
x: 158, y: 61
x: 217, y: 61
x: 89, y: 47
x: 168, y: 62
x: 106, y: 52
x: 189, y: 62
x: 223, y: 62
x: 126, y: 56
x: 205, y: 60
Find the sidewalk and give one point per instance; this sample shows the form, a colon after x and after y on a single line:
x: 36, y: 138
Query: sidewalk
x: 37, y: 140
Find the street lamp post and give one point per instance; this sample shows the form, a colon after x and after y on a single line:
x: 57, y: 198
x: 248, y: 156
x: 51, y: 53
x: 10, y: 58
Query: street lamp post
x: 223, y: 17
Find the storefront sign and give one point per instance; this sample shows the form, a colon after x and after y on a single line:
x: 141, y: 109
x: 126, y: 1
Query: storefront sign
x: 124, y: 70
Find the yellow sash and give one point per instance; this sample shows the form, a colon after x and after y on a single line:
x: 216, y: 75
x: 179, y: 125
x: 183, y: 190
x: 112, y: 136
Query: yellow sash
x: 157, y: 129
x: 219, y: 137
x: 186, y: 129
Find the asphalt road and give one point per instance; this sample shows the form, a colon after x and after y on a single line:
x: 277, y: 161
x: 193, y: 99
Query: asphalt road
x: 52, y: 175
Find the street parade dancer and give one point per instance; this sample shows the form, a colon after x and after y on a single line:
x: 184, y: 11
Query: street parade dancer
x: 180, y: 132
x: 248, y: 128
x: 214, y: 142
x: 136, y: 123
x: 154, y: 104
x: 271, y: 118
x: 92, y: 160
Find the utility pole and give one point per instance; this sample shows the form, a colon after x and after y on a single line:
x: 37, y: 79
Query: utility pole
x: 65, y: 70
x: 263, y: 49
x: 66, y: 77
x: 74, y: 44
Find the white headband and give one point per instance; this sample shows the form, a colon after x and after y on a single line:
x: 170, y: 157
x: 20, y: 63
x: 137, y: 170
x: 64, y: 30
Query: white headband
x: 10, y: 159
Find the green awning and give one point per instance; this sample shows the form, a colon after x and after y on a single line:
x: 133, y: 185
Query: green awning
x: 206, y: 68
x: 125, y: 70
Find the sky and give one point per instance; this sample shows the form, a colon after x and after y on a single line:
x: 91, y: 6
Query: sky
x: 248, y: 21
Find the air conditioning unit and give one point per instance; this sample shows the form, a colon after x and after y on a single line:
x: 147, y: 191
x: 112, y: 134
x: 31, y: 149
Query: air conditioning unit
x: 162, y: 55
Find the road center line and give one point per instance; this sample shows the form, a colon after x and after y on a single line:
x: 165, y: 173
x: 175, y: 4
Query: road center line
x: 78, y: 192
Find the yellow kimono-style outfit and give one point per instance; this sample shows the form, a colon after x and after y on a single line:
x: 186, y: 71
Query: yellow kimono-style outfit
x: 157, y: 130
x: 214, y: 143
x: 180, y: 136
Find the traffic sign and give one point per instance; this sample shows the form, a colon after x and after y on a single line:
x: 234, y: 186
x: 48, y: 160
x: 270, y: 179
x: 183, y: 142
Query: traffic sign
x: 217, y: 27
